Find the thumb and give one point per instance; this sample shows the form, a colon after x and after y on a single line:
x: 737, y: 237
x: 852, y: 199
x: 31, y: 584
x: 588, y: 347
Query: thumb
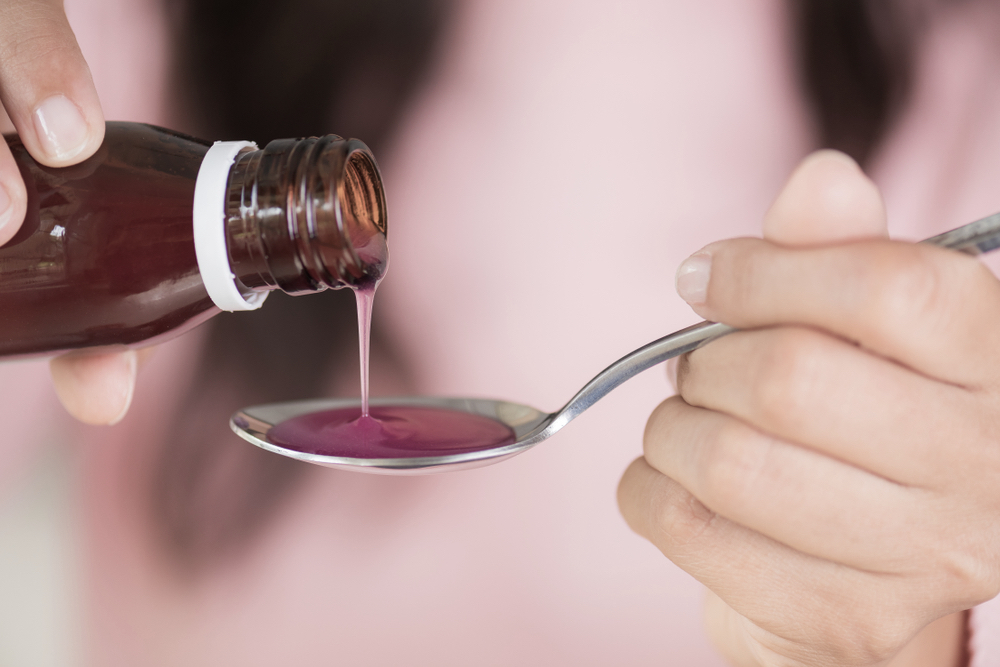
x: 45, y: 84
x: 827, y: 200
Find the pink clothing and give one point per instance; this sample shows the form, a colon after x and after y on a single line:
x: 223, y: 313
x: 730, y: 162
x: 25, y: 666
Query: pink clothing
x: 984, y: 642
x: 565, y: 158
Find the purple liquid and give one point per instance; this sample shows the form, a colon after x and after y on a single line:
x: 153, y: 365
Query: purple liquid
x: 373, y: 252
x: 393, y: 431
x: 365, y: 297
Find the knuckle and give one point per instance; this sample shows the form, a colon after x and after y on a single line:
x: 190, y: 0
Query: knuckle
x: 865, y: 632
x: 855, y: 632
x: 874, y: 640
x: 681, y: 519
x: 39, y: 38
x: 969, y: 577
x: 661, y: 510
x: 908, y: 287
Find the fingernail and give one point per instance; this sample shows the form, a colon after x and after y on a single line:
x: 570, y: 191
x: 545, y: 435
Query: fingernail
x: 130, y: 359
x: 61, y: 128
x: 692, y: 277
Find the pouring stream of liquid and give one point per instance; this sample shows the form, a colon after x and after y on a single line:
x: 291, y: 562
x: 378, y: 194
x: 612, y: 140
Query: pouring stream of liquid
x: 365, y: 297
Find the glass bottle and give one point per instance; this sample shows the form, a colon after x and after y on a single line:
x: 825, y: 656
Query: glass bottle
x: 159, y: 231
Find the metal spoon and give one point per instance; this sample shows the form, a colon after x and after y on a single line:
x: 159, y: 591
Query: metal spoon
x: 532, y: 426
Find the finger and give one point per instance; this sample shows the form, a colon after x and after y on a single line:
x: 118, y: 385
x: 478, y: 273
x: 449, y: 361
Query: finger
x: 804, y: 386
x: 762, y: 579
x: 13, y: 198
x: 95, y: 388
x: 791, y: 494
x: 934, y: 310
x: 827, y: 199
x: 45, y: 84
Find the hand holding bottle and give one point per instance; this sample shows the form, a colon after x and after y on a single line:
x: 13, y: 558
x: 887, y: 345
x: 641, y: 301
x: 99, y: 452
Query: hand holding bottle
x: 48, y: 93
x: 830, y: 472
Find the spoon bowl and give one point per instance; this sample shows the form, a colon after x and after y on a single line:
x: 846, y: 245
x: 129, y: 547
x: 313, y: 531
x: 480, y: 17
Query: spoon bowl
x: 529, y: 425
x: 254, y: 423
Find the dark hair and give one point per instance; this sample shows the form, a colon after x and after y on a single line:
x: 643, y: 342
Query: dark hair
x: 855, y: 63
x: 260, y: 70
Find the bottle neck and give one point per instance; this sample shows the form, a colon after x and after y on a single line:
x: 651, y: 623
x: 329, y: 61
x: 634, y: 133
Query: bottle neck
x: 304, y: 215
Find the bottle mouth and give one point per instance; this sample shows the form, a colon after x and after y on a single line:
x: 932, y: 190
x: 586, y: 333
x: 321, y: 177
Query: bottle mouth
x: 362, y: 218
x: 305, y: 215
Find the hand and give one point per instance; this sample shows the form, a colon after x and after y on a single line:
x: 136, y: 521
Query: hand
x: 49, y: 96
x: 830, y: 473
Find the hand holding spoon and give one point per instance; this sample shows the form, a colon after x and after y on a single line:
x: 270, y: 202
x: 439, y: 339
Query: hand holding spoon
x: 528, y: 425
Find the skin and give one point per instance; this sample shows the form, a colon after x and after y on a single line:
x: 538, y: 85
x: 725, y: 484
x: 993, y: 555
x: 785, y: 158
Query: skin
x: 50, y: 101
x: 829, y: 473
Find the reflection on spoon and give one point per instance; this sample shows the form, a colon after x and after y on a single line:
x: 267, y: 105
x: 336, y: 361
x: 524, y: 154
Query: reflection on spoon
x: 418, y: 435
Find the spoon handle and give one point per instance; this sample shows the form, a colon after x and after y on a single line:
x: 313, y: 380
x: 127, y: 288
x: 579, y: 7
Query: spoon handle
x: 975, y: 238
x: 647, y: 356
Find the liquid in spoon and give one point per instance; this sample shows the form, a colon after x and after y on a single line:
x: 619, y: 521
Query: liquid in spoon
x: 390, y: 431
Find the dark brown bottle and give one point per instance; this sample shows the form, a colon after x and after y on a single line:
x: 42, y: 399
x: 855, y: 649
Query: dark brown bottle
x: 158, y: 231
